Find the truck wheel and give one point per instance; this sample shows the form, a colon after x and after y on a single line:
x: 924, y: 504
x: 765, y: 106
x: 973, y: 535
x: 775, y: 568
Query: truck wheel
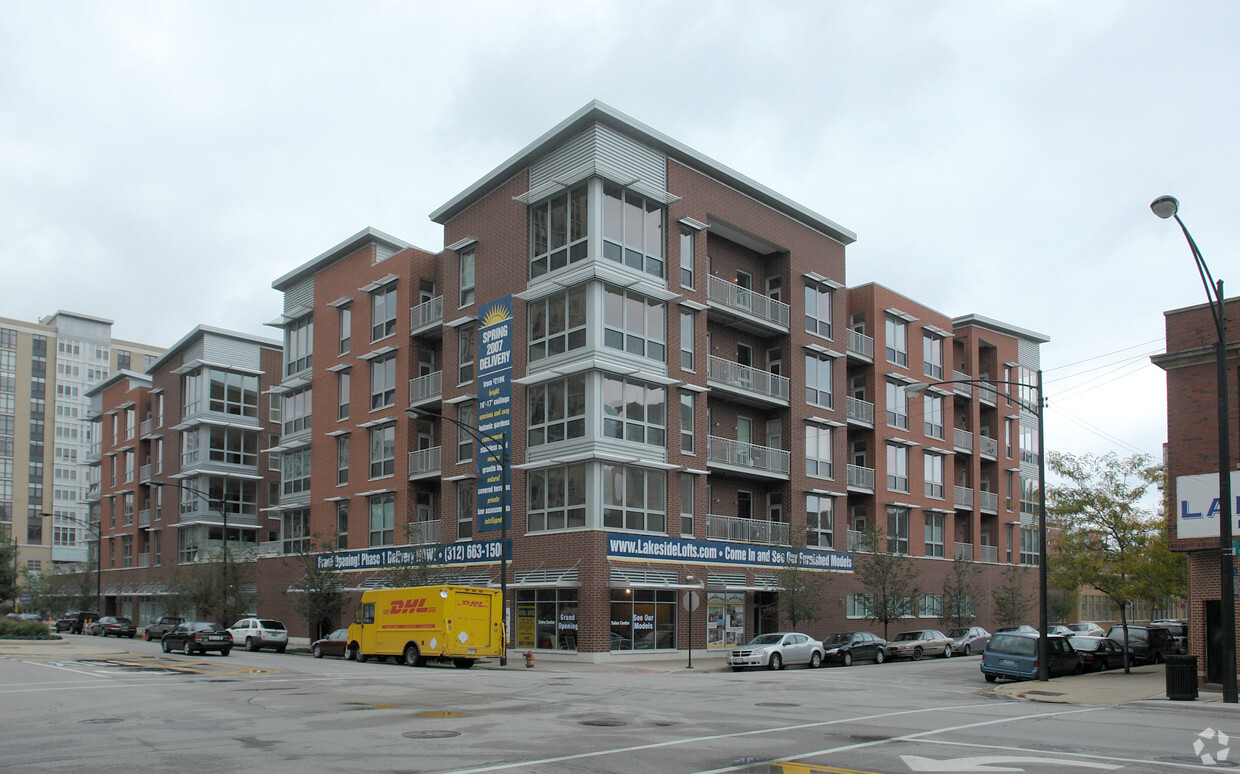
x: 413, y: 657
x: 991, y: 678
x: 462, y: 663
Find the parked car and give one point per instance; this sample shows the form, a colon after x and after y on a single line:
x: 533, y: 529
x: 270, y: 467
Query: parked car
x: 1098, y: 654
x: 776, y: 650
x: 1014, y: 655
x: 847, y: 647
x: 76, y: 623
x: 156, y: 631
x: 331, y: 645
x: 259, y: 633
x: 1146, y: 644
x: 1026, y: 628
x: 1061, y: 629
x: 1178, y: 630
x: 111, y: 625
x: 914, y: 645
x: 968, y: 640
x: 1087, y: 628
x: 198, y: 637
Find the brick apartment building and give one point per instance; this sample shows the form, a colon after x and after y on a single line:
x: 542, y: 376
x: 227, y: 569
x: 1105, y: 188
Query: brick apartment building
x: 1192, y: 457
x: 692, y: 392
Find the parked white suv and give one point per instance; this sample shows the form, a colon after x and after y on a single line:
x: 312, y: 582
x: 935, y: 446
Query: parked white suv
x: 259, y: 633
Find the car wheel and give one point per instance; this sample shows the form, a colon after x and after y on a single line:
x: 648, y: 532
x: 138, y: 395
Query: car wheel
x: 738, y: 669
x: 917, y: 653
x: 250, y: 644
x: 351, y: 652
x: 188, y: 648
x: 880, y: 656
x: 947, y: 652
x: 412, y: 656
x: 991, y: 678
x: 225, y: 651
x: 316, y: 651
x: 815, y: 660
x: 281, y: 648
x: 968, y: 650
x: 846, y: 659
x: 167, y: 646
x: 776, y: 663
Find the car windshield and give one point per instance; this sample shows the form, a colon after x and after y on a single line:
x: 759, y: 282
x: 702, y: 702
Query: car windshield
x: 957, y: 632
x: 1085, y: 643
x: 267, y: 623
x: 907, y: 636
x: 766, y: 639
x: 838, y: 639
x: 124, y: 621
x: 339, y: 634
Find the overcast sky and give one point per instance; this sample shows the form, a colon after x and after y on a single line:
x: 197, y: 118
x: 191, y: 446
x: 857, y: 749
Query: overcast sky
x: 161, y: 163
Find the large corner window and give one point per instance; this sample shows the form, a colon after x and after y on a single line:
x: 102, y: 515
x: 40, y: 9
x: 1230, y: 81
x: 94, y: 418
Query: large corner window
x: 558, y: 230
x: 298, y: 345
x: 634, y: 411
x: 557, y: 324
x: 557, y: 498
x: 632, y: 230
x: 296, y: 411
x: 634, y: 324
x: 557, y: 410
x: 634, y: 498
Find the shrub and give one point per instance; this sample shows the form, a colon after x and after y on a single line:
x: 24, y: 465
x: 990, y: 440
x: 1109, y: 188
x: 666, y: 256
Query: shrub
x: 12, y: 629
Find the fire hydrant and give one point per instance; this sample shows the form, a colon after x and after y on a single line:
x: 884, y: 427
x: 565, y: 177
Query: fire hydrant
x: 529, y: 658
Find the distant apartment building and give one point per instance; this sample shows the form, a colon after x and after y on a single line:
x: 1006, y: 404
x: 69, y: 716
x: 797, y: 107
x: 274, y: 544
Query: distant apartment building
x: 45, y: 370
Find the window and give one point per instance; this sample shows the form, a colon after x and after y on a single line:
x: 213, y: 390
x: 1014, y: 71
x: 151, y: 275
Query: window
x: 342, y: 524
x: 897, y: 468
x: 548, y: 618
x: 1028, y: 496
x: 686, y: 504
x: 557, y: 410
x: 643, y: 619
x: 233, y: 446
x: 897, y: 341
x: 632, y: 230
x: 818, y: 309
x: 346, y: 328
x: 382, y: 451
x: 557, y: 324
x: 932, y: 348
x: 897, y: 406
x: 296, y: 477
x: 382, y: 313
x: 1029, y: 546
x: 633, y: 323
x: 275, y: 402
x: 296, y: 529
x: 342, y: 459
x: 465, y: 354
x: 383, y: 382
x: 634, y: 411
x: 1011, y: 489
x: 819, y: 521
x: 634, y: 498
x: 818, y: 451
x: 686, y: 257
x: 342, y: 385
x: 131, y: 421
x: 934, y: 534
x: 931, y: 606
x: 559, y: 228
x: 934, y: 476
x: 297, y: 411
x: 686, y: 422
x: 686, y: 341
x: 467, y: 277
x: 818, y: 381
x: 382, y: 519
x: 298, y: 345
x: 933, y: 407
x: 464, y: 440
x: 129, y: 463
x: 466, y: 507
x: 1028, y: 444
x: 897, y: 529
x: 860, y: 605
x: 557, y: 498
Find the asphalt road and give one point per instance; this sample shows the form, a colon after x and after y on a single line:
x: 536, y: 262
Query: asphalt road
x: 141, y: 710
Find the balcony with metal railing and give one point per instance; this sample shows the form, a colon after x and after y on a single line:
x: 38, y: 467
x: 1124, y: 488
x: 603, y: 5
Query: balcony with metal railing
x: 270, y: 548
x: 92, y: 493
x: 962, y: 440
x: 989, y: 447
x: 144, y: 427
x: 426, y: 389
x: 425, y: 463
x: 739, y: 530
x: 989, y: 501
x: 860, y: 412
x: 746, y: 309
x: 860, y: 478
x: 427, y: 317
x: 144, y: 474
x: 144, y: 517
x: 860, y: 345
x: 989, y: 553
x: 964, y: 551
x: 422, y: 533
x: 857, y: 541
x: 748, y: 384
x: 748, y: 458
x: 144, y: 560
x: 964, y: 497
x: 94, y: 453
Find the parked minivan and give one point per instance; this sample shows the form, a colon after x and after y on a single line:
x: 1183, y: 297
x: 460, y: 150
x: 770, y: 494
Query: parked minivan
x: 1146, y: 644
x: 1015, y: 655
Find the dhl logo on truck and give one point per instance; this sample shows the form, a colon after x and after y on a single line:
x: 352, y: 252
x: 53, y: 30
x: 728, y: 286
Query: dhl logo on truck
x: 402, y: 606
x: 473, y: 603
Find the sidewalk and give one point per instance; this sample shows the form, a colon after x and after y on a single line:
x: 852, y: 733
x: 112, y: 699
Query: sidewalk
x: 1144, y: 684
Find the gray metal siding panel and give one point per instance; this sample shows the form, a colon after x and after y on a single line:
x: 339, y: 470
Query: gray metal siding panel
x: 193, y: 351
x: 605, y: 147
x: 1028, y: 353
x: 300, y: 295
x: 224, y: 350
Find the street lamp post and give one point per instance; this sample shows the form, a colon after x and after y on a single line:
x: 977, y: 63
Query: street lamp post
x: 1037, y: 410
x: 98, y: 555
x: 1168, y: 207
x: 504, y: 451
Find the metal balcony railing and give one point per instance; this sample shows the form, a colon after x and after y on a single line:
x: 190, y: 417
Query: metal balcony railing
x: 144, y: 517
x: 860, y: 344
x: 748, y: 455
x: 423, y: 533
x: 860, y: 477
x: 990, y: 446
x: 425, y: 461
x: 748, y: 378
x: 427, y: 313
x: 989, y: 553
x: 144, y: 429
x: 964, y: 551
x: 734, y: 528
x: 751, y: 302
x: 989, y: 501
x: 424, y: 388
x: 964, y: 497
x: 860, y: 410
x: 962, y: 440
x: 857, y: 541
x: 144, y: 473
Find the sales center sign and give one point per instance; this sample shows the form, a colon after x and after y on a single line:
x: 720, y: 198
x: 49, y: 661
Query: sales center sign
x: 1197, y: 506
x: 495, y: 336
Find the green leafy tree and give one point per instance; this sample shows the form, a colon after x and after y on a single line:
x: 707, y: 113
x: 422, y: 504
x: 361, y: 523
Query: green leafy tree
x: 1108, y: 537
x: 961, y: 589
x: 8, y: 569
x: 1011, y: 600
x: 802, y: 592
x: 889, y: 579
x: 1062, y: 603
x: 318, y: 596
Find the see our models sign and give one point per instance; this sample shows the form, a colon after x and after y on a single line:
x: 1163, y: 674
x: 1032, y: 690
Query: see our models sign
x: 1197, y: 505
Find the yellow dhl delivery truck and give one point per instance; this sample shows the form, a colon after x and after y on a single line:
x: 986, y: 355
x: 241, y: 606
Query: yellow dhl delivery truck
x: 460, y: 624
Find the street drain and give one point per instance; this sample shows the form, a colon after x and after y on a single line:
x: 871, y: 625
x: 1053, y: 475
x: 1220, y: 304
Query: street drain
x: 1043, y: 693
x: 745, y: 761
x: 605, y: 723
x: 430, y: 734
x: 101, y: 721
x: 441, y: 714
x: 775, y: 704
x: 367, y: 707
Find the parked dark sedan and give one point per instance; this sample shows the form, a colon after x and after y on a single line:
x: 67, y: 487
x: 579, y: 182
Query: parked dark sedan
x: 1146, y: 644
x: 198, y: 637
x: 1098, y: 654
x: 113, y: 626
x: 847, y: 647
x: 331, y: 645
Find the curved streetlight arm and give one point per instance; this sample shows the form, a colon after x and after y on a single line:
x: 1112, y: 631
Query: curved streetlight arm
x: 1213, y: 292
x: 919, y: 387
x: 486, y: 440
x: 88, y: 525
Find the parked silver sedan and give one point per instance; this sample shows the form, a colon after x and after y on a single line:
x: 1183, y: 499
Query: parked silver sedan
x: 968, y: 640
x: 915, y: 645
x: 775, y: 651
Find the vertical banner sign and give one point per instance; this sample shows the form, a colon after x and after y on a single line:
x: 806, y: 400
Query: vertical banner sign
x: 494, y: 411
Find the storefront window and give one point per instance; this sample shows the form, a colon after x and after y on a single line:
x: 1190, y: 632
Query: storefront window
x: 547, y: 619
x: 643, y: 619
x: 725, y: 619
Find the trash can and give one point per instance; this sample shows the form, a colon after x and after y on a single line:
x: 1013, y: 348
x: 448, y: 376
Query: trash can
x: 1181, y: 677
